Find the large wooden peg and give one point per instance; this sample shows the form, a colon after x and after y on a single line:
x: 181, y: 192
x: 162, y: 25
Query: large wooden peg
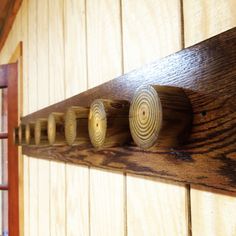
x: 109, y: 123
x: 160, y: 116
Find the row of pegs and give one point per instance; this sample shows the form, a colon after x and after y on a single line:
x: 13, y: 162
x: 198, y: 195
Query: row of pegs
x: 157, y: 116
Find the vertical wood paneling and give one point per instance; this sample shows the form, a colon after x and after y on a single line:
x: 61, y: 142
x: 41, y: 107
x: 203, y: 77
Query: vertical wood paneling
x: 57, y: 93
x: 152, y: 29
x: 43, y: 100
x: 77, y: 200
x: 77, y: 177
x: 204, y: 19
x: 32, y: 93
x: 70, y: 200
x: 56, y: 51
x: 32, y: 55
x: 104, y: 63
x: 212, y: 214
x: 24, y: 23
x: 57, y: 199
x: 75, y: 47
x: 103, y: 41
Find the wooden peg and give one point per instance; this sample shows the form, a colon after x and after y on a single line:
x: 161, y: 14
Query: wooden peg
x: 56, y: 128
x: 41, y: 132
x: 29, y: 134
x: 16, y: 136
x: 160, y: 116
x: 21, y: 134
x: 109, y: 123
x: 76, y: 125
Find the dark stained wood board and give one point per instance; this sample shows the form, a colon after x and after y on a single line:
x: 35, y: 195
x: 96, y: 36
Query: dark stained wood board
x: 207, y: 72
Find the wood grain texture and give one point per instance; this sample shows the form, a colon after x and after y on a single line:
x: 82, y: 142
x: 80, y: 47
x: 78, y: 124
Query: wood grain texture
x: 77, y: 200
x: 56, y: 51
x: 41, y: 132
x: 103, y: 41
x: 56, y: 129
x: 77, y: 177
x: 151, y: 30
x: 160, y: 116
x: 203, y: 19
x: 185, y: 69
x: 57, y: 93
x: 76, y: 126
x: 107, y: 196
x: 16, y: 57
x: 24, y: 24
x: 43, y: 100
x: 109, y: 123
x: 75, y: 47
x: 32, y: 106
x: 12, y: 151
x: 29, y: 134
x: 152, y: 203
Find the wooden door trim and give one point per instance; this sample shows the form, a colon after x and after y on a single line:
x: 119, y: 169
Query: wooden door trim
x: 10, y: 71
x: 13, y: 158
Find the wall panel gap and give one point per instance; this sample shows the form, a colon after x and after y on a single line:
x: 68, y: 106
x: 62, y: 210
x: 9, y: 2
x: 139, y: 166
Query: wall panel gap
x: 182, y: 23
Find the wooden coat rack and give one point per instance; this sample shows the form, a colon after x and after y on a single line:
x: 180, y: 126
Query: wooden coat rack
x: 206, y: 73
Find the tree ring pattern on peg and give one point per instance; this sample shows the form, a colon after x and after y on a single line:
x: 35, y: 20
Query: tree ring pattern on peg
x: 97, y: 123
x: 70, y: 126
x: 109, y: 123
x: 56, y: 134
x: 160, y: 116
x: 76, y: 125
x: 145, y: 117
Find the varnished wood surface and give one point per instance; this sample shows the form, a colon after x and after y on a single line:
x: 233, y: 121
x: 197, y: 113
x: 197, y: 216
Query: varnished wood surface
x: 211, y: 213
x: 13, y: 160
x: 206, y: 71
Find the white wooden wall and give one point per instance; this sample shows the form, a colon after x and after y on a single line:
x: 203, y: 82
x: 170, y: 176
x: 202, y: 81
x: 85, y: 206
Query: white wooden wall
x: 72, y: 45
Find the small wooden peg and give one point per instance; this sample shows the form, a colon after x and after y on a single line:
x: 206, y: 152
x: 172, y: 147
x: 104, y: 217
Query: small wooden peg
x: 76, y: 125
x: 29, y: 134
x: 109, y: 123
x: 56, y: 128
x: 41, y: 132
